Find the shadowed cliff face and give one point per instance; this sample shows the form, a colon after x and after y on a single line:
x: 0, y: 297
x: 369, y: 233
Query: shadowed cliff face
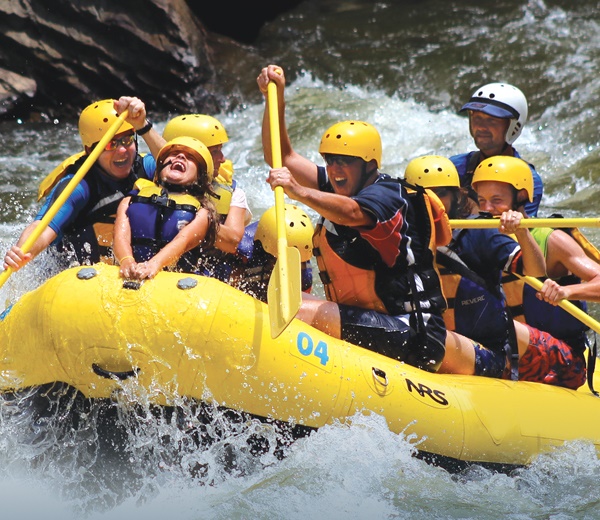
x: 56, y: 56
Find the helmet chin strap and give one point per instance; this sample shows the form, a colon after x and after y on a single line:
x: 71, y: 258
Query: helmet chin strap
x: 365, y: 175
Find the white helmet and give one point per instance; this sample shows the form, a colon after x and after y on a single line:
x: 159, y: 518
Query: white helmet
x: 504, y: 101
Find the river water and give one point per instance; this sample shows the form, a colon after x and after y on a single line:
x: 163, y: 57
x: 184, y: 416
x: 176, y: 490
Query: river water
x: 407, y: 69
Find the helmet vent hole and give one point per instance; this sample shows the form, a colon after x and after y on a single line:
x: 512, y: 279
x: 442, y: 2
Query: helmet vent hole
x: 338, y: 136
x: 492, y: 96
x: 439, y: 169
x: 426, y: 170
x: 105, y: 120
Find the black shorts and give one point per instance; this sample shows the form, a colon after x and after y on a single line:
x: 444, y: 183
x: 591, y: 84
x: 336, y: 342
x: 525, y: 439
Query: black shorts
x: 396, y: 336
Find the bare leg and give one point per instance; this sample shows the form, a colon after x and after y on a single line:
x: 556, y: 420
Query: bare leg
x: 522, y: 337
x: 321, y: 314
x: 459, y: 357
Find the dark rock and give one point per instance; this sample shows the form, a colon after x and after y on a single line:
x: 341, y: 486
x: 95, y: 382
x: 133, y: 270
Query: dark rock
x: 60, y: 55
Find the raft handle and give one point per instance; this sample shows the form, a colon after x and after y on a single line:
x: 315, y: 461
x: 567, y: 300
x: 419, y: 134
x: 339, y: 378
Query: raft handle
x: 110, y: 374
x: 380, y: 376
x: 134, y: 285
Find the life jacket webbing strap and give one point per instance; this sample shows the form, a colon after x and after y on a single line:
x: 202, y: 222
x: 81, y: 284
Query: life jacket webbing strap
x: 591, y: 365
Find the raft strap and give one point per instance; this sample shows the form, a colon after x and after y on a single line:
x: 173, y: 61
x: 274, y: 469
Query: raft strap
x: 110, y: 374
x: 591, y: 365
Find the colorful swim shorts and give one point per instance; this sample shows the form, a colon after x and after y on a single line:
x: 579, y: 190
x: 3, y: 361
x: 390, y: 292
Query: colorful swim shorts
x: 551, y: 361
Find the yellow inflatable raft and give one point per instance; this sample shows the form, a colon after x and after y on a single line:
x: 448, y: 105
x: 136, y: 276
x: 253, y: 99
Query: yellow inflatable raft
x: 184, y: 335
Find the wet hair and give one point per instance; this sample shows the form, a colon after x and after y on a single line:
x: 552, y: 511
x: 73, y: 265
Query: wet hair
x: 461, y: 204
x: 201, y: 190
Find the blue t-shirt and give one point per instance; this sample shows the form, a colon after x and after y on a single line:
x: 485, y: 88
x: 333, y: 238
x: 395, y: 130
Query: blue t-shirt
x: 71, y: 209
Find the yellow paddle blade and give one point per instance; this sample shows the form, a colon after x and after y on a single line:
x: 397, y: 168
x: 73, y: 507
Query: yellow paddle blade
x: 284, y: 293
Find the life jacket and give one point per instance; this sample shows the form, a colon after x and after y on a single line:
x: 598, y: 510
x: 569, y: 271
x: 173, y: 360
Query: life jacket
x: 90, y: 236
x: 476, y: 309
x: 353, y: 272
x: 257, y: 267
x: 223, y: 186
x: 156, y: 217
x: 57, y: 174
x: 542, y: 315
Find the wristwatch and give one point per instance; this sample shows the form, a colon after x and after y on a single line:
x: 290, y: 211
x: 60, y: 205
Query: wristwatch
x: 145, y: 129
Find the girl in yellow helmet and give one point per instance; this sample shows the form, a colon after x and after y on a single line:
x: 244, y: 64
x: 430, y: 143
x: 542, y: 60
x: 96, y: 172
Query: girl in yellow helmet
x: 161, y: 224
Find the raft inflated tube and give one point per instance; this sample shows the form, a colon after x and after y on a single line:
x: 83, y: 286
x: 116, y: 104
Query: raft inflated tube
x: 186, y: 335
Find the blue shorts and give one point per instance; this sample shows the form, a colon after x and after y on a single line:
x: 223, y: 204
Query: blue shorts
x: 396, y: 336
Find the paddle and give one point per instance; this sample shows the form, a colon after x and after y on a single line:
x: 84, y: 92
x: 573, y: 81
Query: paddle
x: 582, y: 316
x: 575, y: 311
x: 485, y: 223
x: 64, y: 195
x: 284, y: 294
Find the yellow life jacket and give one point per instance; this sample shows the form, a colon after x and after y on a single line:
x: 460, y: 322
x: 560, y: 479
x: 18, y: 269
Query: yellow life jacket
x: 148, y: 188
x: 57, y: 174
x: 223, y: 187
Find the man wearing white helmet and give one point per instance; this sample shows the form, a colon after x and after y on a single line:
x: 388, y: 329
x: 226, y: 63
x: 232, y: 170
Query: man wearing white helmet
x: 497, y: 115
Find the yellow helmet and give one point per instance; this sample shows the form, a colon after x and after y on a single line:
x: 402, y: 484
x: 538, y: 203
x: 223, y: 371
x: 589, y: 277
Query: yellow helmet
x: 188, y: 144
x: 504, y: 168
x: 298, y: 229
x: 432, y: 171
x: 354, y: 138
x: 96, y: 119
x: 204, y: 128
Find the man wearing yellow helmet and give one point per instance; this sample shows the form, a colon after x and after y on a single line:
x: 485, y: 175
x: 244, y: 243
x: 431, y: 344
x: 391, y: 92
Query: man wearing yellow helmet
x: 374, y: 244
x: 85, y: 221
x: 551, y: 341
x: 471, y: 266
x: 162, y: 223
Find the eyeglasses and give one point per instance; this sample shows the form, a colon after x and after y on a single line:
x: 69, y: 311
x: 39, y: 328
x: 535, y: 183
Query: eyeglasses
x: 125, y: 141
x: 340, y: 160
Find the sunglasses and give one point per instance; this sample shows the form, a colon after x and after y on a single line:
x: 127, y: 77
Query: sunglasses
x: 340, y: 160
x: 125, y: 141
x: 441, y: 192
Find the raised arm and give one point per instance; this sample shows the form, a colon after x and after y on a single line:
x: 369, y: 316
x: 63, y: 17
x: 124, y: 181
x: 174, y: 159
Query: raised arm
x: 303, y: 170
x: 566, y: 256
x: 138, y: 119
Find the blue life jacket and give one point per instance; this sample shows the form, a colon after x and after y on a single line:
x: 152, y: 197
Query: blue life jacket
x: 156, y: 217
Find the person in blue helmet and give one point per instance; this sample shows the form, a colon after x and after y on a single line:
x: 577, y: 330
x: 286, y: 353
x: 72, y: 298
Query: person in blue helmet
x: 497, y: 114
